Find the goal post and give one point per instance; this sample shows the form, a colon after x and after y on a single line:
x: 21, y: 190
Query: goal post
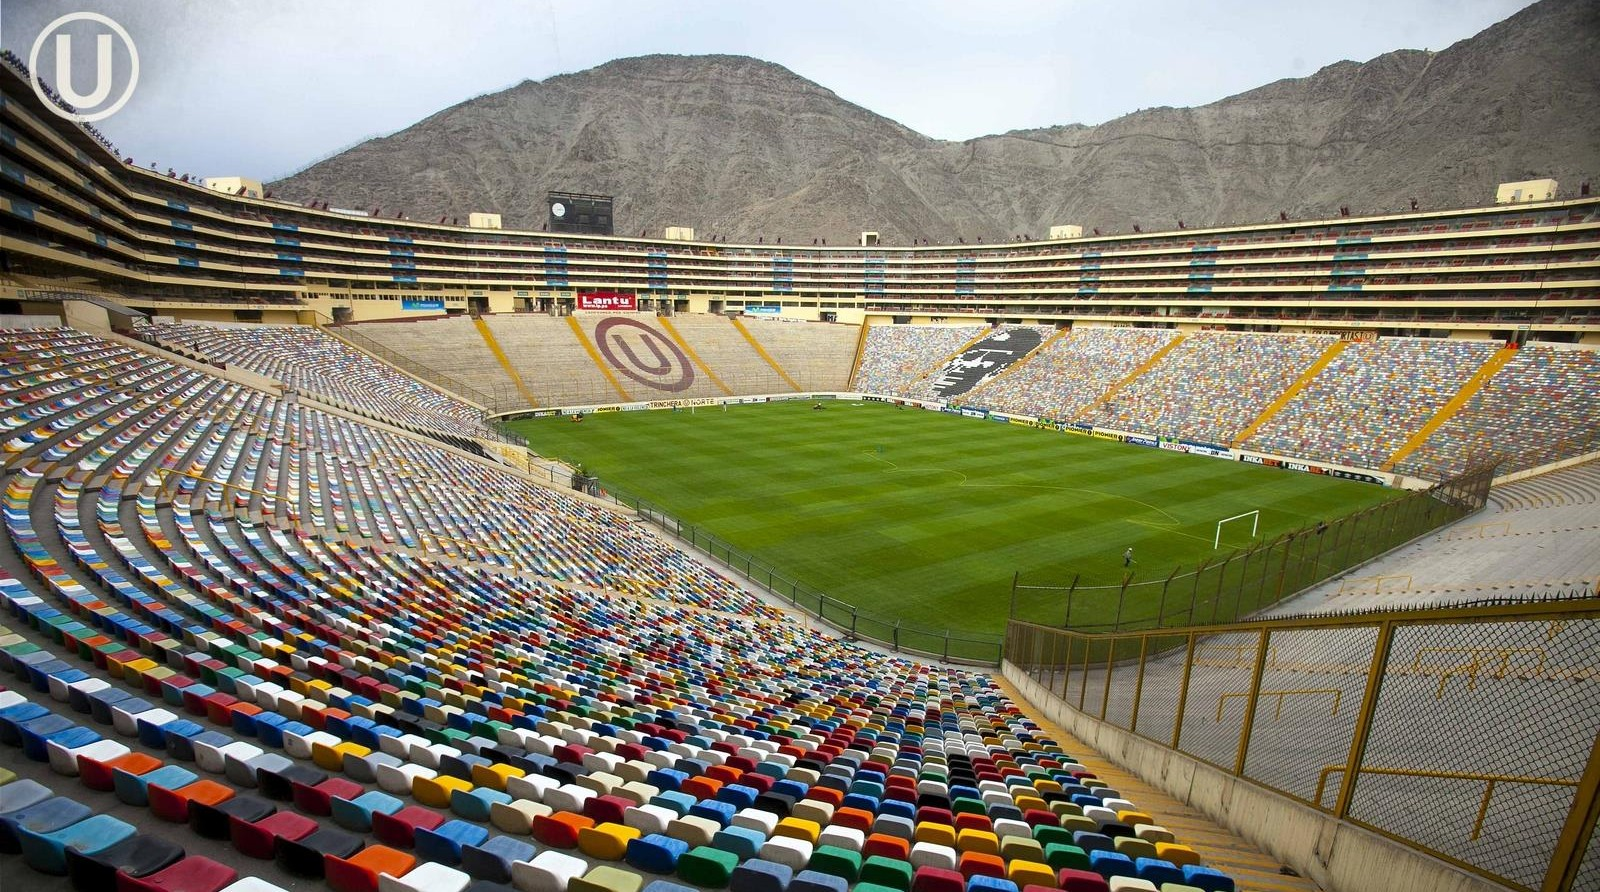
x: 1255, y: 524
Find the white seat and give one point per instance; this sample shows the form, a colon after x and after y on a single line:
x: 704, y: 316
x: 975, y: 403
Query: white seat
x: 427, y: 876
x: 549, y: 871
x: 299, y: 746
x: 843, y: 837
x: 763, y: 822
x: 531, y: 787
x: 65, y: 761
x: 648, y: 819
x: 397, y: 779
x: 126, y: 721
x: 931, y: 854
x: 214, y: 759
x: 568, y: 797
x: 786, y: 850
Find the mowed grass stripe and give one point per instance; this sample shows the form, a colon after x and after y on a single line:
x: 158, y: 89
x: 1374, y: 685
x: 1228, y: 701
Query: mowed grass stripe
x: 923, y: 515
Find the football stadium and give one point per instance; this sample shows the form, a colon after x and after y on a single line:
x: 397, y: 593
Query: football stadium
x: 348, y: 551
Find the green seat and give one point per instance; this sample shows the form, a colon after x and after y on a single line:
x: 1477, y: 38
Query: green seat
x: 706, y: 866
x: 891, y: 872
x: 1062, y: 856
x: 836, y: 861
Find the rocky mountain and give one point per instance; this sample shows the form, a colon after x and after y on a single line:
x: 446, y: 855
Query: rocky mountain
x: 740, y: 148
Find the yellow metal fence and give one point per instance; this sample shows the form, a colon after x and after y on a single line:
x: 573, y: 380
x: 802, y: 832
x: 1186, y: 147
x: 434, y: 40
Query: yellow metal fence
x: 1471, y: 733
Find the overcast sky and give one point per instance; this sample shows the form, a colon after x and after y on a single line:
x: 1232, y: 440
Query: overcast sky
x: 262, y: 88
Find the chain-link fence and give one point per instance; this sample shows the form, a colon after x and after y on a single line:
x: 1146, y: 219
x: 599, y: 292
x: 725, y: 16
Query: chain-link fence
x: 1472, y: 733
x: 1241, y: 582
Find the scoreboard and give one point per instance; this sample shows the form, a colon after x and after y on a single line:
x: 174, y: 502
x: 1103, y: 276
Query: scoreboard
x: 578, y: 213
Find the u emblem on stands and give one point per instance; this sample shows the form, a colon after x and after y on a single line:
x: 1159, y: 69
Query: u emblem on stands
x: 643, y: 354
x: 91, y: 106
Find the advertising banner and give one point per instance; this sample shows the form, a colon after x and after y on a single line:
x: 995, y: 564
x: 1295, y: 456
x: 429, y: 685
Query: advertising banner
x: 607, y: 300
x: 419, y: 303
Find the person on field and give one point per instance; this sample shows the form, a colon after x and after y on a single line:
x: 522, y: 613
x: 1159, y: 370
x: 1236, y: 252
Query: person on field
x: 1127, y: 557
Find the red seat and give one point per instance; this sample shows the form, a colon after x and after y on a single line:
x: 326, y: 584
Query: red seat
x: 97, y: 775
x: 318, y: 800
x: 192, y: 874
x: 400, y: 828
x: 173, y: 805
x: 1073, y: 880
x: 938, y: 879
x: 260, y: 840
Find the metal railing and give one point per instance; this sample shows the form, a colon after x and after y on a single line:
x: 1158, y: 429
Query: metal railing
x: 1423, y: 715
x: 1252, y: 578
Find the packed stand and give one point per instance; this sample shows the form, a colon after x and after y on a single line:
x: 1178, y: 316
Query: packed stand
x: 1370, y: 399
x: 1540, y: 407
x: 309, y: 360
x: 418, y: 698
x: 1210, y: 387
x: 896, y: 356
x: 1073, y: 373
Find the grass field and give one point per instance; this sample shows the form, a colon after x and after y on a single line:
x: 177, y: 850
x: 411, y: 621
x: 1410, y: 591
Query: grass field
x: 924, y: 516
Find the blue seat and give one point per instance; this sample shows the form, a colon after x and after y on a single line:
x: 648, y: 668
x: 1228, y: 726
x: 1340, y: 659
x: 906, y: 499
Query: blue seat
x: 655, y: 853
x: 652, y: 886
x: 491, y: 859
x: 134, y: 789
x: 35, y: 732
x: 443, y: 843
x: 40, y: 817
x: 21, y: 794
x: 1158, y: 871
x: 1207, y: 878
x: 741, y: 841
x: 1111, y: 864
x: 980, y: 883
x: 474, y: 804
x: 815, y: 881
x: 101, y: 701
x: 757, y: 875
x: 674, y: 801
x: 720, y: 812
x: 1090, y: 841
x: 46, y: 851
x: 12, y: 716
x: 356, y: 814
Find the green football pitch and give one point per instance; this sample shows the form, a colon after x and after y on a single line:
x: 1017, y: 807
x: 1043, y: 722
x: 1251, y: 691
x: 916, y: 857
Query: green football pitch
x: 924, y: 516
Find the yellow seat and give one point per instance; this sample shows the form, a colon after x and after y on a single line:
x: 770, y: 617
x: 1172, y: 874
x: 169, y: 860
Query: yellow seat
x: 494, y: 776
x: 981, y: 841
x: 1131, y: 818
x: 607, y: 842
x: 435, y: 791
x: 937, y: 834
x: 798, y: 828
x: 1177, y: 854
x: 1031, y: 873
x: 331, y: 758
x: 133, y: 672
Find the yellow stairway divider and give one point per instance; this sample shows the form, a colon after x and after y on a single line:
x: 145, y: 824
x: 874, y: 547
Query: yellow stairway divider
x: 666, y: 323
x: 762, y: 352
x: 588, y: 347
x: 1451, y: 406
x: 1129, y: 378
x: 505, y: 361
x: 1300, y: 383
x: 861, y: 348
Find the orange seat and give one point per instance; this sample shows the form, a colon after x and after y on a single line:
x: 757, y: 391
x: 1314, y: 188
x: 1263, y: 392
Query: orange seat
x: 359, y: 872
x: 173, y: 805
x: 96, y: 775
x: 981, y: 864
x: 887, y: 846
